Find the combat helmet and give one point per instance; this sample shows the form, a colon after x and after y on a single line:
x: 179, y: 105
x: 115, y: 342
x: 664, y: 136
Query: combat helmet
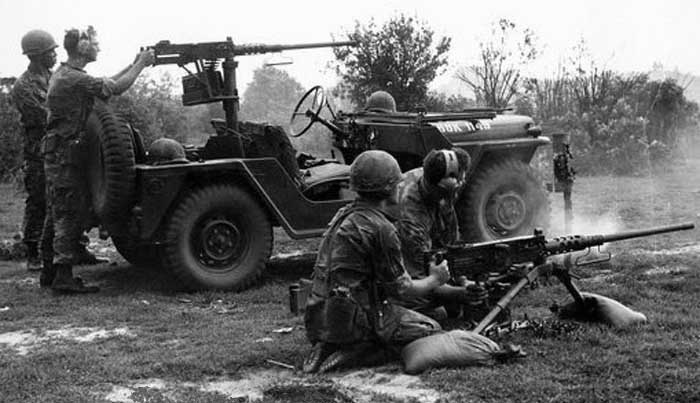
x: 374, y: 171
x: 165, y: 151
x: 36, y: 42
x: 380, y: 101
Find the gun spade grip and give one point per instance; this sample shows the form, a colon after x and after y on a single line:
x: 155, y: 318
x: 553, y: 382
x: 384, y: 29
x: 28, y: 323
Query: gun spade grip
x: 439, y: 257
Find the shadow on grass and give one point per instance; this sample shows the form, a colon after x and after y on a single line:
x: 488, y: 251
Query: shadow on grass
x: 126, y: 279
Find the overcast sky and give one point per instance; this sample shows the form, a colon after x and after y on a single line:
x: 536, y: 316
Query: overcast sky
x: 622, y: 35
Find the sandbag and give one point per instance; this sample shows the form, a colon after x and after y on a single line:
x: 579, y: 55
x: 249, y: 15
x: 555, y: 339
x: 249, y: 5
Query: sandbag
x: 455, y: 348
x: 598, y: 308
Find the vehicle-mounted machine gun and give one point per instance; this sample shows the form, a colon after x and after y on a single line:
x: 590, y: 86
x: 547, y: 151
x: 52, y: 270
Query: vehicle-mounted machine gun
x: 500, y: 269
x: 214, y: 76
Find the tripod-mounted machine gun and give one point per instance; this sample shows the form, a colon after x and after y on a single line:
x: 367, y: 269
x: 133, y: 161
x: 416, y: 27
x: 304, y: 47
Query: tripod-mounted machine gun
x: 500, y: 269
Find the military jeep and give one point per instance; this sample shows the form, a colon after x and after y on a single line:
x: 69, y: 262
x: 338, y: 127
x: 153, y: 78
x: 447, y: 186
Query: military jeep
x: 208, y: 217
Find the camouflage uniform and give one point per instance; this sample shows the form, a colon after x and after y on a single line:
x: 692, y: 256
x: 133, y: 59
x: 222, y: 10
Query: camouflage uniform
x: 425, y: 222
x: 360, y: 247
x: 71, y: 97
x: 29, y: 96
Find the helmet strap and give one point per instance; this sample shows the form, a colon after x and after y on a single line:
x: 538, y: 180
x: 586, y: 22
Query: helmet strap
x: 449, y: 179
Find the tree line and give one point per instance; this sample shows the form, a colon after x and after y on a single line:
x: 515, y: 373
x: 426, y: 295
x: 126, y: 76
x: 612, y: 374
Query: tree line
x: 619, y: 123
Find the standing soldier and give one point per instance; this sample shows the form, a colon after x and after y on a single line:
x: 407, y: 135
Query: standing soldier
x: 428, y: 220
x: 359, y: 265
x: 71, y: 97
x: 29, y: 96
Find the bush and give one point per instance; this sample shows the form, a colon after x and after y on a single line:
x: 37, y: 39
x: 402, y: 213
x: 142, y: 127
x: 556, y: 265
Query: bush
x: 11, y: 135
x: 151, y: 106
x: 624, y: 125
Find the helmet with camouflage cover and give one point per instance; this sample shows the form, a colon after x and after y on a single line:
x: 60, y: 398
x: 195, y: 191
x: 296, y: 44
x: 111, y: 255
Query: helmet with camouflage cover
x: 166, y: 151
x: 380, y: 101
x: 374, y: 171
x: 36, y: 42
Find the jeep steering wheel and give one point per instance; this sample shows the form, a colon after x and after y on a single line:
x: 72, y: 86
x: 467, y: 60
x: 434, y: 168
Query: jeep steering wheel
x: 309, y: 106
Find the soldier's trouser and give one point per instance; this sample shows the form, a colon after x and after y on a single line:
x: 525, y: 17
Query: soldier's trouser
x: 34, y: 182
x: 400, y: 326
x: 65, y: 188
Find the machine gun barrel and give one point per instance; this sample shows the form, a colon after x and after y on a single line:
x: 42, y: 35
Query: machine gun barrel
x: 251, y: 49
x: 574, y: 243
x: 181, y: 54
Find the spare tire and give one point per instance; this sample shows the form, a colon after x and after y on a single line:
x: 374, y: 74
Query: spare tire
x: 110, y: 167
x: 502, y: 200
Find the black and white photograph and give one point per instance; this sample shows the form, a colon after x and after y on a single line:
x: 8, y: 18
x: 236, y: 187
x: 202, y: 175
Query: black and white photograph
x: 372, y: 201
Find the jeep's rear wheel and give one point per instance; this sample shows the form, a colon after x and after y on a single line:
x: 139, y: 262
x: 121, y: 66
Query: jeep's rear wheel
x: 504, y: 200
x: 218, y: 238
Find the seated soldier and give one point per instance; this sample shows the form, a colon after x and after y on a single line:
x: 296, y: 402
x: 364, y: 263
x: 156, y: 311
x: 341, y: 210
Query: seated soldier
x: 427, y: 220
x: 359, y: 265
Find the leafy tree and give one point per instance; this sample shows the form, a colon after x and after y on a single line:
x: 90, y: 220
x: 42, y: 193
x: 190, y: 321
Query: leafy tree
x: 11, y: 133
x: 399, y: 57
x: 153, y: 108
x: 496, y: 79
x: 440, y: 102
x: 620, y: 123
x: 271, y: 96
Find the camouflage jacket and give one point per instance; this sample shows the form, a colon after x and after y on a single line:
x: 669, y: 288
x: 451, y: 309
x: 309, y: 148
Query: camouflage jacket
x: 71, y: 97
x: 425, y: 222
x: 360, y: 246
x: 29, y: 96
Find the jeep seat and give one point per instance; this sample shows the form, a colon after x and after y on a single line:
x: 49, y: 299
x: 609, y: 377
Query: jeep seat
x: 324, y: 173
x: 259, y: 140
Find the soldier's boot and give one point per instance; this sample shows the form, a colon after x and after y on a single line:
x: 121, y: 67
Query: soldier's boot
x: 319, y: 352
x: 85, y: 257
x: 48, y: 274
x: 362, y: 354
x: 33, y: 260
x: 64, y: 283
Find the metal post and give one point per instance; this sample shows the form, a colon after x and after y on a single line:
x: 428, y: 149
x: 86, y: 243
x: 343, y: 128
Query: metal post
x: 231, y: 102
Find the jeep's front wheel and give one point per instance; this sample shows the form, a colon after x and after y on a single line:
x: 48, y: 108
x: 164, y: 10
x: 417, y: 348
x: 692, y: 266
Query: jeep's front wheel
x: 503, y: 200
x: 218, y: 237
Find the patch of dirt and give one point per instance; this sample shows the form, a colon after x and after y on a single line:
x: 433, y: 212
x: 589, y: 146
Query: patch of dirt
x: 367, y: 383
x: 27, y: 281
x: 293, y: 393
x: 360, y: 386
x: 672, y: 270
x: 23, y: 342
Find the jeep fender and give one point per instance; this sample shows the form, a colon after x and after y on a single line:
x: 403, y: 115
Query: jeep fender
x: 161, y: 186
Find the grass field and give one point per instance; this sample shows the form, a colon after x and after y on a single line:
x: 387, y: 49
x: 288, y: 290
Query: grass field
x: 141, y: 340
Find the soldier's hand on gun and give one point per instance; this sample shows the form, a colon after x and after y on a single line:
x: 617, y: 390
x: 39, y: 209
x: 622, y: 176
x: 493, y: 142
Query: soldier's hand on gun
x: 440, y: 271
x: 147, y: 57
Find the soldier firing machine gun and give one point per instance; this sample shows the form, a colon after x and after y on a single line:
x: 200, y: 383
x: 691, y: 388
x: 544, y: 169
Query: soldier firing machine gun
x: 207, y: 83
x: 502, y: 268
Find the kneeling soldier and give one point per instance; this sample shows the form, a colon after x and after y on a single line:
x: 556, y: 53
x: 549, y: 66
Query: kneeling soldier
x: 359, y: 265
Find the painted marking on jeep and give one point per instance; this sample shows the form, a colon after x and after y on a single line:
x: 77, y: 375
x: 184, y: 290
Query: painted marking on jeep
x: 461, y: 126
